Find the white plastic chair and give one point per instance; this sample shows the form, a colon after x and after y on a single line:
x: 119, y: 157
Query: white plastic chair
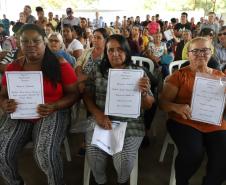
x: 177, y: 63
x: 168, y: 140
x: 142, y: 60
x: 133, y: 175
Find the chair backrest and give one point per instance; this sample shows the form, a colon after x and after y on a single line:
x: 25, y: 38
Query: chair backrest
x: 142, y: 60
x: 177, y: 63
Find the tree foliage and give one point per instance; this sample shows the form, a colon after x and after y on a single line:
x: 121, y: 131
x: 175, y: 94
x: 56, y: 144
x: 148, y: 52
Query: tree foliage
x: 58, y: 4
x: 186, y: 5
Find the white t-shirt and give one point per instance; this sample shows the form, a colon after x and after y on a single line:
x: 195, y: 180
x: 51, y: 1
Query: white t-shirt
x: 74, y: 45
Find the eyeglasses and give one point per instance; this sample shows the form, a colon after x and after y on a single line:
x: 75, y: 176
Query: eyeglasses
x: 54, y: 40
x: 204, y: 51
x: 35, y: 41
x: 113, y: 50
x: 220, y: 34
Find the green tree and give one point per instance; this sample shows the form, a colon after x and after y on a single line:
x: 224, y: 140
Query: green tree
x: 185, y: 5
x: 60, y: 3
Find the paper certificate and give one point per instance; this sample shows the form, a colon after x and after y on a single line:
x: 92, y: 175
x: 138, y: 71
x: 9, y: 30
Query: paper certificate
x: 168, y: 35
x: 123, y: 96
x: 208, y: 100
x: 110, y: 141
x: 26, y: 88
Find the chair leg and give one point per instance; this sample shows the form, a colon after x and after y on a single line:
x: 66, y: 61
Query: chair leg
x: 172, y: 175
x: 164, y: 147
x: 134, y: 173
x: 86, y: 175
x: 67, y: 149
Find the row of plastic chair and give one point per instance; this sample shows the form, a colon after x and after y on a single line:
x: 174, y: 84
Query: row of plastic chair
x: 134, y: 175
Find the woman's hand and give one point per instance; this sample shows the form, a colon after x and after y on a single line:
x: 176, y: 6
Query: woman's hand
x: 144, y: 85
x: 9, y: 105
x: 183, y: 110
x: 103, y: 120
x: 45, y: 110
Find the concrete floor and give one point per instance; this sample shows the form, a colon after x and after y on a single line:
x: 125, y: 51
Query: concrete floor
x: 151, y: 171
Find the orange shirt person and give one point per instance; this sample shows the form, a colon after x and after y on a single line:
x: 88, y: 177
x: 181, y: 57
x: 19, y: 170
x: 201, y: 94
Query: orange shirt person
x: 194, y: 138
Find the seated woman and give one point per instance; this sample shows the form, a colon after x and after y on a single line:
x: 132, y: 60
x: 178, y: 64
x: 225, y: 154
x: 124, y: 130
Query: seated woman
x: 92, y: 55
x: 193, y: 138
x: 56, y: 45
x: 116, y: 56
x: 156, y: 50
x: 47, y: 132
x: 73, y: 46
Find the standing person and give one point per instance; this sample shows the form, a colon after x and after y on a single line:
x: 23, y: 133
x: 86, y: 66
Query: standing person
x: 183, y: 25
x: 51, y: 20
x: 210, y: 23
x: 98, y: 21
x: 70, y: 19
x: 21, y: 22
x: 147, y: 21
x: 117, y: 23
x: 6, y: 24
x: 116, y: 56
x: 29, y: 18
x: 153, y: 26
x: 47, y: 132
x: 194, y: 138
x: 42, y: 21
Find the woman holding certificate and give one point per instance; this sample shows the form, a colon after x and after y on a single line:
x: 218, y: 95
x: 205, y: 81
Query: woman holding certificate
x: 193, y: 131
x: 116, y: 56
x: 48, y: 128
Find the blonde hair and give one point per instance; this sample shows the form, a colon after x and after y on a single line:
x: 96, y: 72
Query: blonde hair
x: 198, y: 39
x: 59, y: 37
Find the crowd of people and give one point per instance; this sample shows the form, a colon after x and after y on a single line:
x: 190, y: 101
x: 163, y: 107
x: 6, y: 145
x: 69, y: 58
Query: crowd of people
x: 75, y: 55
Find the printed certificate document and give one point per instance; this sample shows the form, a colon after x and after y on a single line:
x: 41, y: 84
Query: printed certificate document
x: 208, y: 100
x: 26, y: 88
x: 110, y: 141
x: 168, y: 35
x: 123, y: 96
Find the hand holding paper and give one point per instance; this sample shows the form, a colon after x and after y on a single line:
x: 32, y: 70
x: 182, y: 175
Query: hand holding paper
x: 45, y: 109
x: 183, y: 110
x: 110, y: 141
x: 26, y: 88
x: 123, y: 96
x: 9, y: 105
x: 208, y: 100
x: 144, y: 84
x: 103, y: 120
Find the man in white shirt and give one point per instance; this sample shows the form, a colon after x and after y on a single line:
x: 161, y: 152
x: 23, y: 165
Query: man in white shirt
x: 70, y: 19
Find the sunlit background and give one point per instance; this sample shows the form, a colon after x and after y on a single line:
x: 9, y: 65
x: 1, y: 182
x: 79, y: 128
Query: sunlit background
x: 110, y: 8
